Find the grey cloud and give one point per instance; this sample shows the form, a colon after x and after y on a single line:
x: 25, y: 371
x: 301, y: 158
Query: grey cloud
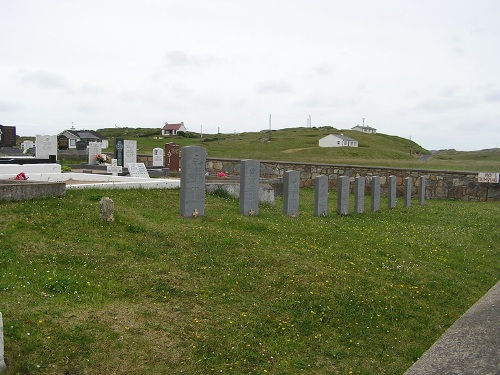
x: 440, y: 105
x: 45, y: 80
x: 274, y: 87
x: 493, y: 95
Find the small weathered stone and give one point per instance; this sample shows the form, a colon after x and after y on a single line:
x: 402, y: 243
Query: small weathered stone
x: 107, y: 209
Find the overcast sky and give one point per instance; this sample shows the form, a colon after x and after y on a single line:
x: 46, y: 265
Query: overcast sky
x: 425, y: 69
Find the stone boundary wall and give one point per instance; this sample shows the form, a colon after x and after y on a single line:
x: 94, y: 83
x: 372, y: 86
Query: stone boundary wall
x: 439, y: 184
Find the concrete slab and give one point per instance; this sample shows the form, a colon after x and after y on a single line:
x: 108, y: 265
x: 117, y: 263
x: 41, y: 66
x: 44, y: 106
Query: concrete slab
x: 470, y: 346
x: 11, y: 170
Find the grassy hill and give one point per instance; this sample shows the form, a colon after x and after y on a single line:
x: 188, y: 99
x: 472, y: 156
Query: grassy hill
x: 301, y: 145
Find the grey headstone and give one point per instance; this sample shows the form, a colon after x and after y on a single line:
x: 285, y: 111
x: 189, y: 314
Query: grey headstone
x: 343, y: 195
x: 94, y: 150
x: 359, y: 195
x: 119, y: 146
x: 193, y: 160
x: 408, y: 186
x: 392, y: 191
x: 46, y: 145
x: 157, y: 157
x: 107, y: 207
x: 321, y: 196
x: 129, y: 152
x: 2, y: 358
x: 375, y: 193
x: 249, y: 187
x: 291, y: 193
x: 421, y: 193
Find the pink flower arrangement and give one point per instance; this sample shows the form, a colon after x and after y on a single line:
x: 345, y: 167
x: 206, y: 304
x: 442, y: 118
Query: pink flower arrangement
x: 221, y: 174
x: 101, y: 158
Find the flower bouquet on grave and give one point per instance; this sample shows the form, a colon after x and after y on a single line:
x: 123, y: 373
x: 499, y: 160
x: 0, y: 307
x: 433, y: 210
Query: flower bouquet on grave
x: 101, y: 158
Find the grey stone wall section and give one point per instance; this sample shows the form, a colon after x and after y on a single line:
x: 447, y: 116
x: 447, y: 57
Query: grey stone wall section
x: 343, y: 196
x: 321, y: 196
x: 291, y: 193
x: 421, y: 190
x: 408, y: 187
x: 375, y: 200
x: 193, y: 161
x: 249, y: 187
x: 359, y: 195
x: 441, y: 184
x: 2, y: 358
x: 392, y: 191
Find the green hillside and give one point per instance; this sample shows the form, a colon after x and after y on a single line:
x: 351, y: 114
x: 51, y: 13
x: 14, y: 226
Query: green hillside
x: 301, y: 145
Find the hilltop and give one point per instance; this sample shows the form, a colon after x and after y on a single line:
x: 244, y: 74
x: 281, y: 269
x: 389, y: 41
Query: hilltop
x: 301, y: 145
x: 292, y: 144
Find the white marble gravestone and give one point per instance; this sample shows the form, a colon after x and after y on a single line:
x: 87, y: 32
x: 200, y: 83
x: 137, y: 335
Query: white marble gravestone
x: 94, y: 149
x: 45, y: 145
x: 114, y: 168
x: 157, y: 157
x: 129, y: 152
x: 138, y: 170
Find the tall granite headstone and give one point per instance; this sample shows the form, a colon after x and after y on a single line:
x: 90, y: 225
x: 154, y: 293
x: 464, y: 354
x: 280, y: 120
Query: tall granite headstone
x: 94, y: 149
x: 321, y: 196
x: 158, y: 157
x: 249, y: 187
x: 193, y: 181
x: 129, y: 152
x: 359, y: 195
x: 392, y: 191
x: 291, y: 193
x: 343, y: 195
x: 119, y: 146
x: 375, y: 185
x: 421, y: 192
x: 172, y: 156
x: 46, y: 145
x: 408, y: 187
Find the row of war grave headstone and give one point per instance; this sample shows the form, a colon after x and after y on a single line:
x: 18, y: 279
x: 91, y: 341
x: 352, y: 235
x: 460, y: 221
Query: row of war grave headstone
x: 192, y: 200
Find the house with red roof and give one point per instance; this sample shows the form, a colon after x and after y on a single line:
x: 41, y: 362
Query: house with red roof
x: 173, y: 129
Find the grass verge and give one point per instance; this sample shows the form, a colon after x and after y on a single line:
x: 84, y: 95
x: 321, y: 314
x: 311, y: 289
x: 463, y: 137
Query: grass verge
x: 154, y: 293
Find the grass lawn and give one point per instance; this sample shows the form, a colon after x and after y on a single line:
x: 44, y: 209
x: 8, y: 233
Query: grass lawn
x: 153, y: 293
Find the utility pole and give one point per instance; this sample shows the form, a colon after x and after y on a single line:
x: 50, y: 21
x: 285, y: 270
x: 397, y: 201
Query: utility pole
x: 269, y: 126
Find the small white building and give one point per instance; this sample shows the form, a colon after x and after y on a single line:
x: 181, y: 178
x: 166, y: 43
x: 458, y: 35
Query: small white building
x: 173, y: 129
x: 337, y: 140
x: 365, y: 129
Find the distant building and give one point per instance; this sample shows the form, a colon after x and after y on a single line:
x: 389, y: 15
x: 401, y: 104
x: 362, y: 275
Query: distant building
x: 365, y: 129
x: 337, y: 140
x: 70, y: 139
x: 173, y: 129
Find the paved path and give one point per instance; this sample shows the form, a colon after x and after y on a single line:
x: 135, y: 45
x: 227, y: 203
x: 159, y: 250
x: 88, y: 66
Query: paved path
x: 470, y: 346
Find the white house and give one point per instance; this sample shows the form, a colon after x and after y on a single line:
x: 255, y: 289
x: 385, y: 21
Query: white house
x: 365, y: 129
x: 173, y: 129
x: 337, y: 140
x: 68, y: 138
